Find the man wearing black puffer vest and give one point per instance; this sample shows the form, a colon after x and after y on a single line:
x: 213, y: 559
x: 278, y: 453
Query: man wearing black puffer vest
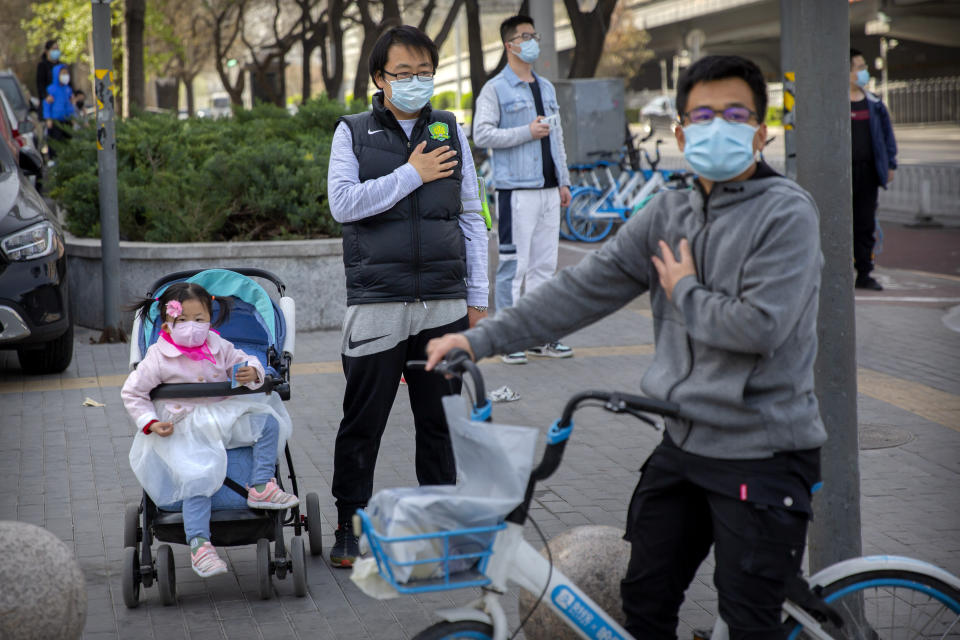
x: 401, y: 181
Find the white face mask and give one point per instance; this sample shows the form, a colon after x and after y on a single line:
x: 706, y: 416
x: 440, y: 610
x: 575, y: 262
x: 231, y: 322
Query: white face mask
x: 65, y: 78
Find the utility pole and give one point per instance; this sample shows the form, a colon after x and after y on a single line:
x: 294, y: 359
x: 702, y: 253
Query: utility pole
x: 542, y: 13
x: 788, y: 16
x: 107, y: 169
x: 820, y: 29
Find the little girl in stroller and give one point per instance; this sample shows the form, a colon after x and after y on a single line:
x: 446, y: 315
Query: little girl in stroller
x: 179, y: 452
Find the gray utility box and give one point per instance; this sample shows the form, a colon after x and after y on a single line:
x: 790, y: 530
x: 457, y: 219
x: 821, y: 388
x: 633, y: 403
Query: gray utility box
x: 592, y: 115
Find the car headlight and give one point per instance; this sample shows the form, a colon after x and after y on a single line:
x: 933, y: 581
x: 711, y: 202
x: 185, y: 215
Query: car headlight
x: 30, y: 243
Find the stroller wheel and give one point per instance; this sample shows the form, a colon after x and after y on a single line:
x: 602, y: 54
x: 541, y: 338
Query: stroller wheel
x: 263, y: 569
x: 299, y: 561
x: 313, y: 524
x: 131, y: 525
x: 131, y: 577
x: 166, y: 575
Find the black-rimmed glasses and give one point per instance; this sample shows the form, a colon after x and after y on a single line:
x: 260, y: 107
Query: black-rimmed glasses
x: 705, y: 115
x: 406, y: 76
x: 526, y: 37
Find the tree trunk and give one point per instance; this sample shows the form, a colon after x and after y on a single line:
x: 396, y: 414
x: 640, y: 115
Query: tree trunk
x: 331, y: 42
x: 448, y: 23
x: 478, y: 74
x: 371, y: 32
x: 187, y: 81
x: 306, y: 73
x: 133, y: 77
x: 589, y: 29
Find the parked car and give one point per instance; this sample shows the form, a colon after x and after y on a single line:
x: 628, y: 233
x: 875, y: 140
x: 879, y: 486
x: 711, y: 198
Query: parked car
x: 21, y: 139
x: 34, y: 302
x: 26, y: 109
x: 659, y: 113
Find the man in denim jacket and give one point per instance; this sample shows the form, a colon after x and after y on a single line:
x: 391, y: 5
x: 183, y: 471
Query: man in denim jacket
x: 518, y: 117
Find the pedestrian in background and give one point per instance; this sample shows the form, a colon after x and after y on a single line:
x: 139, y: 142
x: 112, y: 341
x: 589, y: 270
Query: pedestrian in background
x: 49, y: 59
x: 874, y: 161
x: 58, y: 109
x: 519, y: 118
x: 402, y: 183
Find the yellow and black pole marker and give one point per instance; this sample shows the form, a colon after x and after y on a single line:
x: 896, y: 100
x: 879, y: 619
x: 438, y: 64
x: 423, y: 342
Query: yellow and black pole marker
x: 107, y: 170
x: 789, y: 123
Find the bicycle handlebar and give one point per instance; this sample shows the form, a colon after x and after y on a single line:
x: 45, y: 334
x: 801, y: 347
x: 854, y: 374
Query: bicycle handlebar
x: 456, y: 364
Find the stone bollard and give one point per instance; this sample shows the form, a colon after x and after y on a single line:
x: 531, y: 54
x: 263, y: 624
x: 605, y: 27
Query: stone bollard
x: 595, y: 559
x: 43, y: 593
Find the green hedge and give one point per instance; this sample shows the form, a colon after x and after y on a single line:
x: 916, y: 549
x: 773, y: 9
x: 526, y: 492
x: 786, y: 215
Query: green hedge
x: 259, y: 175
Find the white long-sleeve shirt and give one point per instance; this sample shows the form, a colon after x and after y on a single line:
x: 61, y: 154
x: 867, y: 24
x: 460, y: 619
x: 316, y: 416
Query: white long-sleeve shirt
x: 352, y: 200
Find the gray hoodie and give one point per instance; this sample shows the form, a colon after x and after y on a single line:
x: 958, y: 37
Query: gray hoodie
x: 736, y: 346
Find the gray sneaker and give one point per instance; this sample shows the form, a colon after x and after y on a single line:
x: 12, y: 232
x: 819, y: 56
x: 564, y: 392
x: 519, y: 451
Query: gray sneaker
x: 552, y: 350
x: 514, y: 358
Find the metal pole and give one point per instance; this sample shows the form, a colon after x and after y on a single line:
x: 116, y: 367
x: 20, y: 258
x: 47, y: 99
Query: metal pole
x: 788, y: 18
x: 883, y: 71
x: 542, y: 13
x: 459, y: 47
x: 107, y: 168
x: 822, y: 34
x: 663, y: 76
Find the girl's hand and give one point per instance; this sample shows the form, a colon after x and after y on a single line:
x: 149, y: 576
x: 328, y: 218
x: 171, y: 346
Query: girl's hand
x: 246, y: 374
x: 162, y: 429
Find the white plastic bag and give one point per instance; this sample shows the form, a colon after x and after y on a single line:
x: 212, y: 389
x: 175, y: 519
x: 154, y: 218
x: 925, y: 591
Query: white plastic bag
x: 493, y: 464
x: 193, y: 460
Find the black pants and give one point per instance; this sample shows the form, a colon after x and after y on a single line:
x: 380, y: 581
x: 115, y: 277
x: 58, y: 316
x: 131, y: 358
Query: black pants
x: 56, y: 132
x: 372, y: 383
x: 671, y: 525
x: 866, y: 185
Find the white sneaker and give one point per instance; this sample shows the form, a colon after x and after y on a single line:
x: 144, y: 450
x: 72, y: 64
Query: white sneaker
x: 514, y: 358
x: 503, y: 394
x: 552, y: 350
x: 206, y: 563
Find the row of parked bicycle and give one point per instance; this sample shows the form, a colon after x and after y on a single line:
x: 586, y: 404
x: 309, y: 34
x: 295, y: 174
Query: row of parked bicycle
x: 609, y: 190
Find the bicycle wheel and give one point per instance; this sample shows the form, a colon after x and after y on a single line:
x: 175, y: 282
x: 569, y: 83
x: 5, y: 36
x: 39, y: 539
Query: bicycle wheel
x: 581, y: 223
x: 464, y: 630
x: 885, y: 604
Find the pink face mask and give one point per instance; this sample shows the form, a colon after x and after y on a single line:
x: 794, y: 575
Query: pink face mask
x: 190, y: 334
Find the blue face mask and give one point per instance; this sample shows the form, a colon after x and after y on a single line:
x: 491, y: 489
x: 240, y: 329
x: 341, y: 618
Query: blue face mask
x: 411, y: 96
x: 55, y: 54
x: 719, y: 150
x: 863, y: 78
x: 529, y: 51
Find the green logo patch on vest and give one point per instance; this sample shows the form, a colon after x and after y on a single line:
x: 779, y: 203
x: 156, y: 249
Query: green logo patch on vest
x: 439, y: 131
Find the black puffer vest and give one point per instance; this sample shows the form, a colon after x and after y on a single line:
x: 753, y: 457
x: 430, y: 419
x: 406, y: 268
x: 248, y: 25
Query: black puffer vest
x: 415, y: 250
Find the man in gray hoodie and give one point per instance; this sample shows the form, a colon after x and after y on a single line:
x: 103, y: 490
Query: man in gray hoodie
x: 733, y: 271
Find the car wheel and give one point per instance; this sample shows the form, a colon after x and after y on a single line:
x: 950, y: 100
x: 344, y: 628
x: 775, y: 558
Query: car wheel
x: 52, y: 357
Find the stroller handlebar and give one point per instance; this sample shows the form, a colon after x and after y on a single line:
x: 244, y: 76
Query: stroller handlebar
x: 218, y: 389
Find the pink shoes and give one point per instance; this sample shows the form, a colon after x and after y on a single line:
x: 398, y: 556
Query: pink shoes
x: 272, y: 497
x: 206, y: 562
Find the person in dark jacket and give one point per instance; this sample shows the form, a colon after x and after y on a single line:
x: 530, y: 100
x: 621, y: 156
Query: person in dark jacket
x: 49, y: 59
x: 58, y: 108
x: 401, y: 182
x: 874, y: 161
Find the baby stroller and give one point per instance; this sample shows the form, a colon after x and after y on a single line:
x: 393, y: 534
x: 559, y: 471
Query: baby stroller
x: 259, y: 326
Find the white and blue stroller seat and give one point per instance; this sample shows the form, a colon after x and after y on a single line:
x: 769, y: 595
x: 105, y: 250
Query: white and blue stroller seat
x: 256, y: 322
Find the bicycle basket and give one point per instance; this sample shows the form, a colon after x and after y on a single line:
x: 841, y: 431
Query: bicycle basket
x: 460, y: 561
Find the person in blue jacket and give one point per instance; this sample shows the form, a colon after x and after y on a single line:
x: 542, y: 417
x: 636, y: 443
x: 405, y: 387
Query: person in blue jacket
x: 874, y: 161
x: 60, y: 109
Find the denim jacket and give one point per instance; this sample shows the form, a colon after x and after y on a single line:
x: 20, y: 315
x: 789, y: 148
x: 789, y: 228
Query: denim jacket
x: 505, y: 110
x: 881, y: 133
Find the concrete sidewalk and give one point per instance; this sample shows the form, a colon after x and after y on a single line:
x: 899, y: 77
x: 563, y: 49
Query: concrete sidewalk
x: 68, y: 465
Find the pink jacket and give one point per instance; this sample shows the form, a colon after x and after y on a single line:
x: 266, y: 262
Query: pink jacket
x: 164, y: 363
